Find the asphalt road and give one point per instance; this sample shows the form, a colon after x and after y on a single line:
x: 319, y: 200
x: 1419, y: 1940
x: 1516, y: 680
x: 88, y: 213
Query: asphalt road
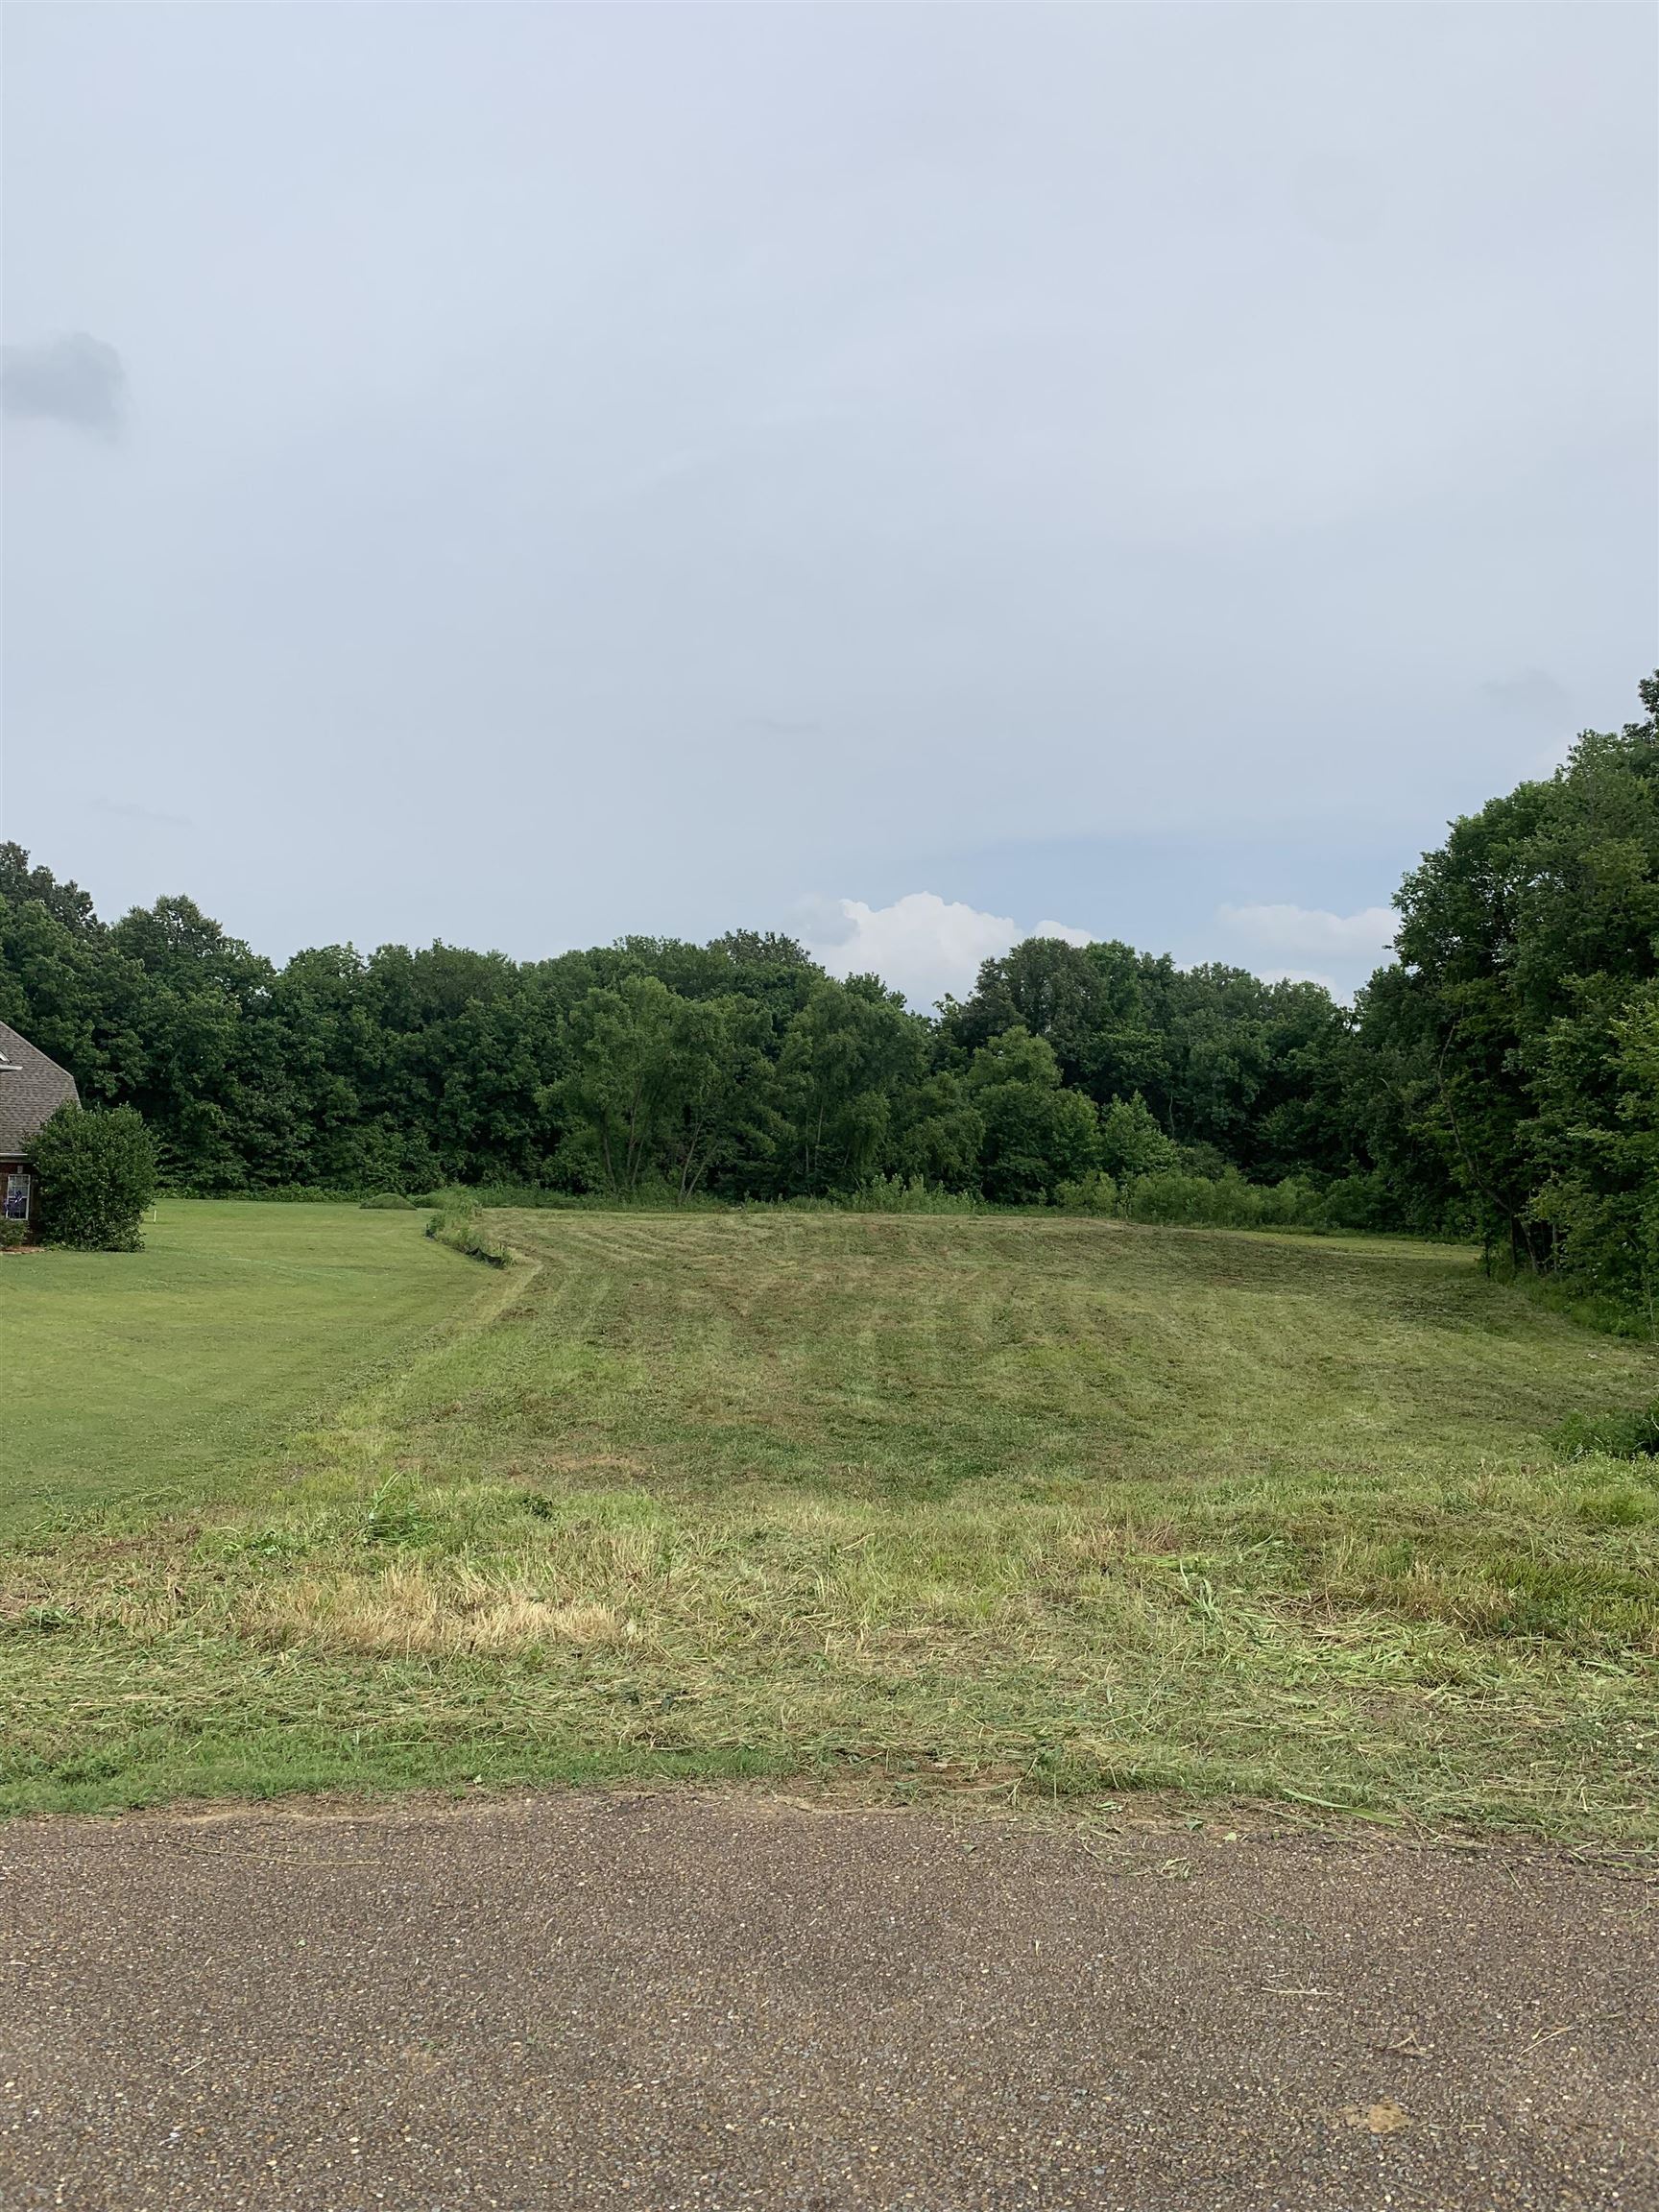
x: 672, y: 2001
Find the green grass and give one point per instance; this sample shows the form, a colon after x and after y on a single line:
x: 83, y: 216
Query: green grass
x: 924, y: 1504
x: 166, y: 1373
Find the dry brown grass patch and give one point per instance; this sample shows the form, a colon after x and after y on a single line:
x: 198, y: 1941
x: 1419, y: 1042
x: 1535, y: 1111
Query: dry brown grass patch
x: 412, y: 1608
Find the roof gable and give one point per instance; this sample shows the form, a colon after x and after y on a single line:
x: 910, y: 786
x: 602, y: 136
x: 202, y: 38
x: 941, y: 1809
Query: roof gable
x: 31, y: 1089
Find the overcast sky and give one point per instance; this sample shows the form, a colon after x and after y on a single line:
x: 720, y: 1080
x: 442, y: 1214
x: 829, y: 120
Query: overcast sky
x: 902, y: 474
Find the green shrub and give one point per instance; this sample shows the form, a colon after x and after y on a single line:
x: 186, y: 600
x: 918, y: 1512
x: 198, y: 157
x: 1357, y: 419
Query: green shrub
x: 1095, y: 1192
x: 892, y: 1195
x: 1201, y: 1159
x: 1224, y: 1201
x: 1131, y: 1142
x: 1167, y: 1197
x: 12, y: 1235
x: 97, y: 1176
x: 1361, y: 1201
x: 388, y: 1202
x: 1631, y: 1435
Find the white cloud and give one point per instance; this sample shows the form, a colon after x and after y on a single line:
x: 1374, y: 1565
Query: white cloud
x: 1310, y: 929
x: 925, y: 946
x: 922, y: 945
x: 1307, y: 945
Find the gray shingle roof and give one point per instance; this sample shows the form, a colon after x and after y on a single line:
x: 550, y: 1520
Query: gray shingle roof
x: 31, y: 1089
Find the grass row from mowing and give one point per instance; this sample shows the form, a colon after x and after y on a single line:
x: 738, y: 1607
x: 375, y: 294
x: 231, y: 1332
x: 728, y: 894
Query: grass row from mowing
x: 1047, y: 1505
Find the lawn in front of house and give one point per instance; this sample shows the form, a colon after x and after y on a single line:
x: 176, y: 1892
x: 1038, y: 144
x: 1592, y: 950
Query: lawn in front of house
x: 167, y: 1374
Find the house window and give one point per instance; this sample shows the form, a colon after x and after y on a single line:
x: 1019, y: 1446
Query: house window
x: 18, y: 1188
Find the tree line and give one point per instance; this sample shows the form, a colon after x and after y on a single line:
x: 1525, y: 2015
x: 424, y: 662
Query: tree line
x: 1498, y: 1078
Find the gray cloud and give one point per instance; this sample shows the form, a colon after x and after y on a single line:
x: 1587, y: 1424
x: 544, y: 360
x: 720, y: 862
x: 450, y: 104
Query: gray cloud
x: 130, y: 810
x: 1532, y: 694
x: 643, y: 465
x: 74, y: 378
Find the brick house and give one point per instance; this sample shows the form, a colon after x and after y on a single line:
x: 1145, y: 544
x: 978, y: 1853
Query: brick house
x: 31, y: 1089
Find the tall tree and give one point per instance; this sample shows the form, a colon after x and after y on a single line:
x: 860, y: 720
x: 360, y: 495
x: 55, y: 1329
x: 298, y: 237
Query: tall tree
x: 846, y: 1055
x: 1038, y: 1134
x: 1527, y: 946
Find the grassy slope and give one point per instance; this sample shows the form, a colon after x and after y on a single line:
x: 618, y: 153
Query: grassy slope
x: 946, y: 1503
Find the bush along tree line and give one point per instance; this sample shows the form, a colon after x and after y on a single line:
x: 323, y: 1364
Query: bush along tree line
x: 1499, y: 1078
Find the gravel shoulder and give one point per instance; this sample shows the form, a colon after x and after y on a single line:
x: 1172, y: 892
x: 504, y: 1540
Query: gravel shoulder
x: 679, y: 2000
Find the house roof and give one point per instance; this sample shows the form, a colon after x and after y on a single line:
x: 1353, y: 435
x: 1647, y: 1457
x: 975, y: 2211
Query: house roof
x: 31, y: 1089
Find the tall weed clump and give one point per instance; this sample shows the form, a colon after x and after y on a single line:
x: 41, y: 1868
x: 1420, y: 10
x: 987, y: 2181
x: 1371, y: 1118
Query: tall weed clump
x: 1618, y: 1435
x: 1095, y: 1193
x: 1175, y: 1197
x: 895, y: 1194
x: 457, y: 1222
x: 1225, y: 1201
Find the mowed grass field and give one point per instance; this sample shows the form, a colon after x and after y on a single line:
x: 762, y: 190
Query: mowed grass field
x: 165, y: 1373
x: 994, y: 1506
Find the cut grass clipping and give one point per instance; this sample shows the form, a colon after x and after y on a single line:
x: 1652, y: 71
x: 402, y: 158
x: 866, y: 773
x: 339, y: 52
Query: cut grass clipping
x: 1035, y: 1505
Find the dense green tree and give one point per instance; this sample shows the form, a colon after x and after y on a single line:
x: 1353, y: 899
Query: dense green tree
x: 1051, y: 988
x: 722, y: 1121
x: 1506, y: 1048
x: 846, y: 1054
x: 619, y: 1094
x: 1253, y: 1070
x: 942, y: 1133
x: 1131, y: 1143
x: 662, y: 1090
x: 23, y: 884
x: 1603, y: 1194
x: 71, y: 993
x: 1038, y: 1134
